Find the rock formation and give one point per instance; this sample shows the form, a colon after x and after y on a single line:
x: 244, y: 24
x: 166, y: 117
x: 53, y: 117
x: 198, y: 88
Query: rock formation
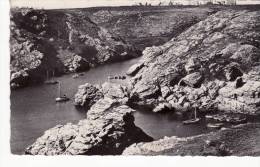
x: 242, y: 140
x: 87, y: 95
x: 215, y: 59
x: 59, y: 41
x: 108, y: 129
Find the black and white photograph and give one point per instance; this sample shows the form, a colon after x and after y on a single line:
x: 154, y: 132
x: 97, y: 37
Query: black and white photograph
x: 134, y: 78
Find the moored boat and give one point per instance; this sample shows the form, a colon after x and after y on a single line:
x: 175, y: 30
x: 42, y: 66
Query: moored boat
x: 60, y: 98
x: 215, y: 125
x: 192, y: 121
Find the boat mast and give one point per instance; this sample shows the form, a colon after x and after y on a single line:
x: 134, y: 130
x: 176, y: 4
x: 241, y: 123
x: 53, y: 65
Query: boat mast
x: 47, y: 75
x: 195, y: 112
x: 59, y: 89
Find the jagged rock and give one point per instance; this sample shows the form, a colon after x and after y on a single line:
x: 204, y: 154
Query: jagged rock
x: 108, y: 130
x: 245, y: 99
x: 147, y: 92
x: 215, y: 51
x: 193, y: 80
x: 134, y: 69
x: 77, y: 64
x: 166, y: 91
x: 114, y: 91
x: 162, y: 107
x: 241, y: 140
x: 192, y: 65
x: 19, y: 79
x: 233, y: 72
x: 87, y: 95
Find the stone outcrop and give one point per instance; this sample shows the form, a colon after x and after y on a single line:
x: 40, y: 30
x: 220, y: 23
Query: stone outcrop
x: 218, y: 53
x: 134, y: 69
x: 116, y: 91
x: 242, y: 140
x: 108, y: 129
x: 77, y: 64
x: 87, y: 95
x: 193, y: 80
x: 245, y: 99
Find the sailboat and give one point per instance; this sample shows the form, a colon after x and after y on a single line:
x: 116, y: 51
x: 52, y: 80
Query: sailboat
x: 192, y: 121
x: 48, y: 81
x: 60, y: 98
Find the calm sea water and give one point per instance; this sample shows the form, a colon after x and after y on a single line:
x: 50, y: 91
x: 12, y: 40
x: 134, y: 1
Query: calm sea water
x: 33, y: 109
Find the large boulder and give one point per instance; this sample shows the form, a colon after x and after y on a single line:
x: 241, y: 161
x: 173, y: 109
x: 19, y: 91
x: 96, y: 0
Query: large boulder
x: 114, y: 90
x: 108, y: 130
x: 193, y: 80
x: 77, y: 64
x: 87, y: 95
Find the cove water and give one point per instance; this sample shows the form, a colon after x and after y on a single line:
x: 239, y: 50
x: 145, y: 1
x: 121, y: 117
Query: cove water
x: 34, y: 110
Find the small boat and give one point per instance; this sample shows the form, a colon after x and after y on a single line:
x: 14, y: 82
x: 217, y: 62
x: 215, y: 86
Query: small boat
x: 192, y: 121
x: 60, y: 98
x: 75, y: 76
x: 48, y: 81
x: 51, y: 82
x: 110, y: 77
x: 209, y: 116
x: 215, y: 125
x: 81, y: 74
x: 238, y: 120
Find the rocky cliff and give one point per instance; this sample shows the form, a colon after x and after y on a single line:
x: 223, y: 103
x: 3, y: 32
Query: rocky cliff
x: 212, y: 65
x: 56, y: 42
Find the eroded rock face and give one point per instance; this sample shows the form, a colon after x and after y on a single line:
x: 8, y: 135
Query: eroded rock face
x: 108, y: 129
x: 242, y: 140
x: 19, y: 79
x: 208, y: 56
x: 134, y: 69
x: 60, y: 41
x: 87, y: 95
x: 193, y: 80
x: 245, y: 99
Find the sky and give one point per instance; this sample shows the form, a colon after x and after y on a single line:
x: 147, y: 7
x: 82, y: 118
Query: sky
x: 48, y: 4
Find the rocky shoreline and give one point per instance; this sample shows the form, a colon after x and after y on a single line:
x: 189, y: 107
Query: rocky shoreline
x: 242, y: 140
x: 212, y: 66
x: 108, y: 129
